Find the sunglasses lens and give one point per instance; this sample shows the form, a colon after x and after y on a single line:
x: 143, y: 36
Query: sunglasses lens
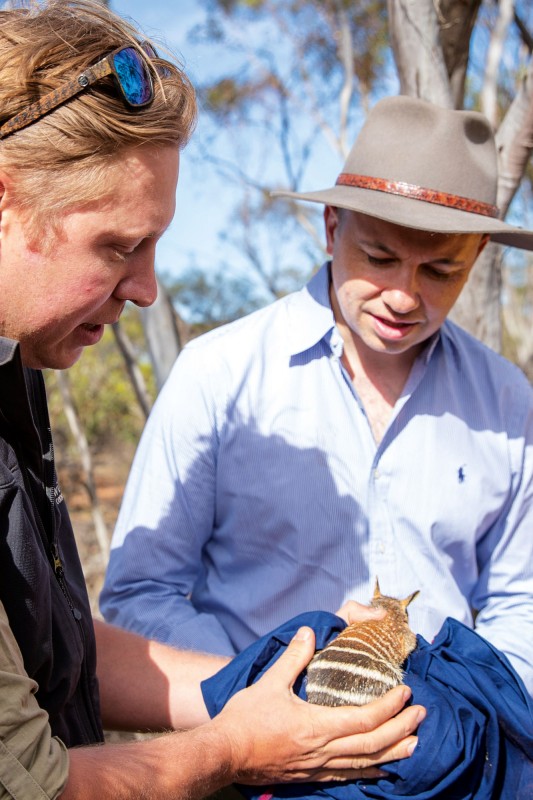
x: 152, y: 53
x: 133, y: 76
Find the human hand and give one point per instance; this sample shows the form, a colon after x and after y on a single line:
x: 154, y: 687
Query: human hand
x: 352, y: 612
x: 273, y: 736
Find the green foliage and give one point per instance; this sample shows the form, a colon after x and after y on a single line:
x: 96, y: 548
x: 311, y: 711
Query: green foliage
x: 102, y: 393
x: 229, y: 96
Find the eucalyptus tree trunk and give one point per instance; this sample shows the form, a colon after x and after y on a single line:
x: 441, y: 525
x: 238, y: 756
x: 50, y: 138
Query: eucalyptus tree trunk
x: 162, y: 335
x: 132, y: 368
x: 415, y: 39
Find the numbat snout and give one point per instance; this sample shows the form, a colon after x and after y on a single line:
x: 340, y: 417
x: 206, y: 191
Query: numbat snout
x: 365, y: 660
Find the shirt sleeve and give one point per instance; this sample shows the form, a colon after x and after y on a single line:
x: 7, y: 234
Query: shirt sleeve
x: 503, y: 596
x: 168, y: 512
x: 33, y: 763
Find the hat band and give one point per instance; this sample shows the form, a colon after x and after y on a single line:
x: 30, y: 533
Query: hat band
x: 418, y: 193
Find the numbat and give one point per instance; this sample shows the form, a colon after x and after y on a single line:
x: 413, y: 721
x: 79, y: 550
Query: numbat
x: 365, y: 660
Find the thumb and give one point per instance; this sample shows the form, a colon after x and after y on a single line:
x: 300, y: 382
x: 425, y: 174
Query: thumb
x: 294, y: 660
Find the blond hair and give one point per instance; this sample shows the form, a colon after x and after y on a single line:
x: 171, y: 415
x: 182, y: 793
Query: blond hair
x: 61, y: 160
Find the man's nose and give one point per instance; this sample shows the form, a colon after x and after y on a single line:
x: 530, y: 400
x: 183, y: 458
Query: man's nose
x: 140, y: 286
x: 402, y: 296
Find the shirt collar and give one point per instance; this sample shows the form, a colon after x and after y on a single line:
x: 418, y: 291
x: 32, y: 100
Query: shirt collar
x: 311, y: 317
x: 430, y: 347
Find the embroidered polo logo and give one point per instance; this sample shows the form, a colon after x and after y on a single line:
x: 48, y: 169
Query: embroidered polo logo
x: 461, y: 475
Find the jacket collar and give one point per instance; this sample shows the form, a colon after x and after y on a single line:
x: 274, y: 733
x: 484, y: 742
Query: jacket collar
x: 16, y: 417
x: 8, y: 350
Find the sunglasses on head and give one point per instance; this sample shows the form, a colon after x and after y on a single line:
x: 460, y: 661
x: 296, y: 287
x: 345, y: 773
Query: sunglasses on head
x: 126, y: 64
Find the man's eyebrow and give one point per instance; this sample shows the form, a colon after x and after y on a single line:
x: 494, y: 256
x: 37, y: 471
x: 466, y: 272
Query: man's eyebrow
x: 378, y: 246
x: 446, y: 261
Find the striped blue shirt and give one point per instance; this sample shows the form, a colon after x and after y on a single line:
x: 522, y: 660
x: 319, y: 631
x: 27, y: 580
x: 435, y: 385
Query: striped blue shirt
x: 258, y: 491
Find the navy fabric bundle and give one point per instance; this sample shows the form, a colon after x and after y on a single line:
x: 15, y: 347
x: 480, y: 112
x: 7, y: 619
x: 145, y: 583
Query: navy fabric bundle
x: 477, y: 738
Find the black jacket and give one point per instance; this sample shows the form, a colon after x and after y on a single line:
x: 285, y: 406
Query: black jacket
x: 41, y: 580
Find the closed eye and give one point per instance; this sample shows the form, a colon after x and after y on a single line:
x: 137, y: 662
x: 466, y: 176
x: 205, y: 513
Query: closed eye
x: 443, y: 275
x: 119, y: 254
x: 379, y: 262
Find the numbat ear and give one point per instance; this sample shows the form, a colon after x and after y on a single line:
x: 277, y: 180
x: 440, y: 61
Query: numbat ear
x: 405, y: 603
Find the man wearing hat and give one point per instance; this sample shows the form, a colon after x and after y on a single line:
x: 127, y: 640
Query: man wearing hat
x: 349, y: 430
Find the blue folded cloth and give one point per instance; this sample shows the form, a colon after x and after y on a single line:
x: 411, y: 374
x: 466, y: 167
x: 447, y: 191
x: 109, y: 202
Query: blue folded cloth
x: 475, y: 743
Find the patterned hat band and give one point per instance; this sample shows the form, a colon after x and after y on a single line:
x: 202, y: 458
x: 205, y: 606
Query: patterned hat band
x: 418, y: 193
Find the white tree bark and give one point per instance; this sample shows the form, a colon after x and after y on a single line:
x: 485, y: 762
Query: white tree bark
x: 132, y: 367
x: 489, y: 92
x: 415, y: 40
x: 514, y: 139
x: 346, y: 53
x: 162, y: 336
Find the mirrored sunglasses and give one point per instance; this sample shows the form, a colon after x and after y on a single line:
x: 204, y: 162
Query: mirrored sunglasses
x: 129, y: 69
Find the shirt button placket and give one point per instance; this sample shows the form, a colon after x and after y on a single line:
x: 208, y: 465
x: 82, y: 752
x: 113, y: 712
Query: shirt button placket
x: 380, y: 551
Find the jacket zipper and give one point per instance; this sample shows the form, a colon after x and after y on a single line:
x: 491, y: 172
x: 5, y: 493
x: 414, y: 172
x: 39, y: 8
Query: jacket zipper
x: 60, y: 576
x: 59, y: 572
x: 54, y: 549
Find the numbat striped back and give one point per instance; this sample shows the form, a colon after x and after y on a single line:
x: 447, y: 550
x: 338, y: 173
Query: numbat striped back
x: 365, y: 660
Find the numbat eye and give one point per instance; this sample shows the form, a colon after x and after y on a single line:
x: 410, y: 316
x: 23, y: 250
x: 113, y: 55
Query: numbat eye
x: 365, y: 660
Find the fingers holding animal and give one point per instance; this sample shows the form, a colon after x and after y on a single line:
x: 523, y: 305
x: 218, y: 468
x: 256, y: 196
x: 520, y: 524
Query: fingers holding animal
x: 382, y: 738
x: 273, y: 736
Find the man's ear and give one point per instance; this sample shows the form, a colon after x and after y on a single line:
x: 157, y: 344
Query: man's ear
x: 485, y: 239
x: 331, y: 223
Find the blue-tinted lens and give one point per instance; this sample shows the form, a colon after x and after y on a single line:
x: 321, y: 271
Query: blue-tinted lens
x: 152, y: 53
x: 134, y: 78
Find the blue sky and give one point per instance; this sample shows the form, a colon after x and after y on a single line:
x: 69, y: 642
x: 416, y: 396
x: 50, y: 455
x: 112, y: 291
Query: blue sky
x: 198, y: 219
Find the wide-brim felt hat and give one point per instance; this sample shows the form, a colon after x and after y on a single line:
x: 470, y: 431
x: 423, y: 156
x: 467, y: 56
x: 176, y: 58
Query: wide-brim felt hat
x: 425, y: 167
